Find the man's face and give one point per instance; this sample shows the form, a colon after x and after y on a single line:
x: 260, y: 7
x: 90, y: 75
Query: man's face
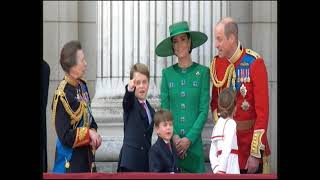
x: 142, y: 85
x: 165, y: 130
x: 222, y: 44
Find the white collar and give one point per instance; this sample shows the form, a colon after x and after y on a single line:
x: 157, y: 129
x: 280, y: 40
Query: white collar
x: 166, y: 141
x: 144, y: 101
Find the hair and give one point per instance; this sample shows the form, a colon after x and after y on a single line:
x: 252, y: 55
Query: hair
x: 226, y: 102
x: 162, y: 115
x: 189, y: 37
x: 230, y: 27
x: 68, y: 55
x: 141, y: 68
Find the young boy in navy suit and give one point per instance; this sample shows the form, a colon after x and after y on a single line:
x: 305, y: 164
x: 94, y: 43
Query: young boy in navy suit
x: 138, y: 122
x: 163, y: 155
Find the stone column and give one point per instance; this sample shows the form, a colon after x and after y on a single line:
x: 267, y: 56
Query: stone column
x: 264, y: 42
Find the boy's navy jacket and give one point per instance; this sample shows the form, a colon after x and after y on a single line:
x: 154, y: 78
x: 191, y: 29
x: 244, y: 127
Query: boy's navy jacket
x: 161, y: 159
x: 137, y: 134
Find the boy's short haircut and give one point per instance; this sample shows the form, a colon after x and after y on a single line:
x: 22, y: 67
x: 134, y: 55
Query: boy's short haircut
x: 162, y: 116
x: 141, y: 68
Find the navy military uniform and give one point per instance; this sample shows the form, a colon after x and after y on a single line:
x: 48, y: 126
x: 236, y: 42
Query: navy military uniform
x: 71, y: 113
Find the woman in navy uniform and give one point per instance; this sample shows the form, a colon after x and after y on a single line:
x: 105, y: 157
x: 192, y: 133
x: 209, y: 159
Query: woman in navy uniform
x: 77, y: 137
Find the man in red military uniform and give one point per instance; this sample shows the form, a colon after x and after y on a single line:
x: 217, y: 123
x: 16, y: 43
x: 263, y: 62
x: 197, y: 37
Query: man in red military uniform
x: 244, y: 71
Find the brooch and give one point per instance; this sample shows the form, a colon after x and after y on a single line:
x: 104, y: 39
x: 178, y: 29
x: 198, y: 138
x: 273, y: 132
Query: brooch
x: 243, y: 90
x: 245, y: 105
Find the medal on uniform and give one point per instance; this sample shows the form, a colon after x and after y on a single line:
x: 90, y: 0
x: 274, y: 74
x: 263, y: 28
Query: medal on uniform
x: 241, y: 78
x: 248, y: 76
x: 245, y: 105
x: 198, y: 73
x: 67, y: 164
x: 243, y: 90
x: 78, y: 96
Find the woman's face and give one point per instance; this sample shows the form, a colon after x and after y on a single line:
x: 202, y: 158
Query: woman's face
x: 78, y: 70
x: 181, y: 45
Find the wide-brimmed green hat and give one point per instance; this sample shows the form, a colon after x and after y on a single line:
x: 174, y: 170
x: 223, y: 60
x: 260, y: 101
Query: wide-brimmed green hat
x: 165, y: 47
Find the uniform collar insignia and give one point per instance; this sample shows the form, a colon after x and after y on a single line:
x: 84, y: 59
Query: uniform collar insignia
x: 236, y: 54
x: 71, y: 80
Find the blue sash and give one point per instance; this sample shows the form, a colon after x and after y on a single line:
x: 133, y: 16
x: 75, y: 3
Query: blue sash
x: 63, y: 154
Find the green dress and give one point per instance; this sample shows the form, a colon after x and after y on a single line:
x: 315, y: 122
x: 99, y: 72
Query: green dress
x: 185, y: 92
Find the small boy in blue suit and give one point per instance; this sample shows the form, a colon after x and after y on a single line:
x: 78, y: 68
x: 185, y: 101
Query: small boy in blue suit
x: 163, y: 155
x: 138, y: 122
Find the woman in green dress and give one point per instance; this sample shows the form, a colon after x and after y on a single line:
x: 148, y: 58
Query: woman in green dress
x: 185, y: 92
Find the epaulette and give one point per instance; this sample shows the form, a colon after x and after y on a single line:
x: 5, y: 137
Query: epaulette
x: 252, y: 53
x: 58, y: 93
x: 75, y: 116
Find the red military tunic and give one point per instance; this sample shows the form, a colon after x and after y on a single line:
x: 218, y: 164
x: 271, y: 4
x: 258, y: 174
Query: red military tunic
x: 249, y: 78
